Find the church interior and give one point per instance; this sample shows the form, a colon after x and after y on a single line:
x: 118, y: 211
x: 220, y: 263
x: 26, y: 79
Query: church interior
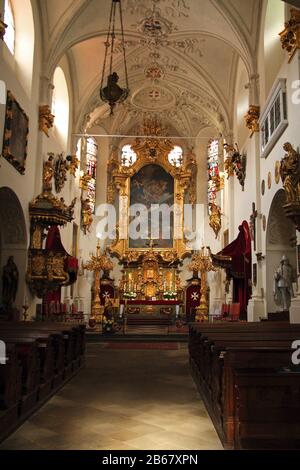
x: 149, y: 224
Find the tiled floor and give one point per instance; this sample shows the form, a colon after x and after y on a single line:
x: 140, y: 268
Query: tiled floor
x: 123, y: 400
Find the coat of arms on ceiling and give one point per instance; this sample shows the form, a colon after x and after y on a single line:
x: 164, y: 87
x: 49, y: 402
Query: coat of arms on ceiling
x: 155, y: 26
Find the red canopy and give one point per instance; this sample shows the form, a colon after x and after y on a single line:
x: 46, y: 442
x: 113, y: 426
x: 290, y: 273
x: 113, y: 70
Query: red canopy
x: 236, y: 259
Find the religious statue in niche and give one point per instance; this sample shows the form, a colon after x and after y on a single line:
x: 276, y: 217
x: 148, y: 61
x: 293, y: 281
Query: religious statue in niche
x: 10, y: 281
x: 215, y: 220
x: 86, y: 215
x: 48, y: 173
x: 60, y: 173
x: 235, y: 163
x: 283, y: 285
x: 290, y: 174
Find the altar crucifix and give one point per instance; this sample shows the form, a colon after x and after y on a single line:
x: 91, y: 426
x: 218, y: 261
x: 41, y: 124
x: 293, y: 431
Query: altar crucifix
x: 252, y: 225
x: 151, y: 243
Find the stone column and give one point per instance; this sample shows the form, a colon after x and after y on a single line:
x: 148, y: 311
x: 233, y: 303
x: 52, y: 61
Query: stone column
x: 256, y: 306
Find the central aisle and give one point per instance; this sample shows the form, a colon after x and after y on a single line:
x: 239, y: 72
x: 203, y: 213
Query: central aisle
x: 124, y: 399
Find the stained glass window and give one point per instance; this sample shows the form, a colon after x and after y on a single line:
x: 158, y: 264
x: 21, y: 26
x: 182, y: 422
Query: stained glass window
x: 91, y: 169
x: 213, y: 170
x: 128, y: 157
x: 9, y: 37
x: 176, y: 156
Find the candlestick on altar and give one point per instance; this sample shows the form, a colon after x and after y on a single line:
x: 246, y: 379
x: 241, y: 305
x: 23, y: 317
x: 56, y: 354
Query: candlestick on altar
x: 202, y: 261
x: 96, y: 264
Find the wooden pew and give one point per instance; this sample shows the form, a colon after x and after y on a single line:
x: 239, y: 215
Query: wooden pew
x: 267, y: 410
x: 10, y: 390
x: 46, y: 355
x: 216, y: 354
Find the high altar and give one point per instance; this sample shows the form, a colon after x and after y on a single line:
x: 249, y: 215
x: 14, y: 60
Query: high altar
x: 151, y: 267
x: 150, y: 279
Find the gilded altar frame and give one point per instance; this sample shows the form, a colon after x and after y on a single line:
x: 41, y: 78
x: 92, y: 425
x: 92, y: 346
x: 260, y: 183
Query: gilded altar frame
x: 151, y: 151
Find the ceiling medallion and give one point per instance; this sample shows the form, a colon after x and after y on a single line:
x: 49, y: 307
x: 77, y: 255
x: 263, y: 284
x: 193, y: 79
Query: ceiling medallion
x: 154, y: 72
x: 153, y: 98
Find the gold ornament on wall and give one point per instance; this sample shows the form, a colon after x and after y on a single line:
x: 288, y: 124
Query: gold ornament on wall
x: 252, y: 118
x: 290, y: 36
x: 84, y: 181
x: 46, y: 119
x: 73, y: 164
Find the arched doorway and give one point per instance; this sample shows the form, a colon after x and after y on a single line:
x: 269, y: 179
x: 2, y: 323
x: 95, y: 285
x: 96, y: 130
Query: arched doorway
x: 13, y: 240
x: 281, y: 240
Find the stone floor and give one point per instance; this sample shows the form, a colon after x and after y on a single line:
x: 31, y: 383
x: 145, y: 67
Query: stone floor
x: 123, y: 400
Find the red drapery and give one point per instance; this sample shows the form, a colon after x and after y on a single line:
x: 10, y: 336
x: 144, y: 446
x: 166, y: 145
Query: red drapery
x: 240, y: 267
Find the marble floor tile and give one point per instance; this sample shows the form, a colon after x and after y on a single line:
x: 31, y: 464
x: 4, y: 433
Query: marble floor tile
x: 123, y: 400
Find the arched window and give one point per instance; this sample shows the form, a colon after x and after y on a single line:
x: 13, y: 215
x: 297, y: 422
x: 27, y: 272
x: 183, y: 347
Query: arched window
x: 10, y: 32
x: 91, y: 169
x: 128, y: 157
x: 176, y: 156
x: 61, y: 105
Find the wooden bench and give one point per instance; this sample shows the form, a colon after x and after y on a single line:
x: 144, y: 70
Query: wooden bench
x: 218, y: 352
x: 44, y: 355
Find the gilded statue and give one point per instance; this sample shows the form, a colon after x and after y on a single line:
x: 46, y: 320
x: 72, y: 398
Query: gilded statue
x: 73, y: 164
x: 290, y: 174
x: 46, y: 119
x: 60, y: 173
x: 48, y: 173
x: 215, y: 220
x: 86, y: 215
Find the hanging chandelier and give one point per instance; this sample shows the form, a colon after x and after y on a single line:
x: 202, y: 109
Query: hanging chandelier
x: 112, y: 93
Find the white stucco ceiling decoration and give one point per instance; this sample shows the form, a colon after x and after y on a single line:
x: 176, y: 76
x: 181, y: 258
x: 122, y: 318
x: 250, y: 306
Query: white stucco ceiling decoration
x: 170, y: 8
x: 153, y: 98
x: 189, y: 48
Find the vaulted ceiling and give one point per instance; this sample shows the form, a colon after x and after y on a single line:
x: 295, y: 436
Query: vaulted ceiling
x: 186, y: 75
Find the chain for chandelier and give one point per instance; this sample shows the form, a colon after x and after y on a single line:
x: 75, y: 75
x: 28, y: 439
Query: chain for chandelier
x: 113, y: 93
